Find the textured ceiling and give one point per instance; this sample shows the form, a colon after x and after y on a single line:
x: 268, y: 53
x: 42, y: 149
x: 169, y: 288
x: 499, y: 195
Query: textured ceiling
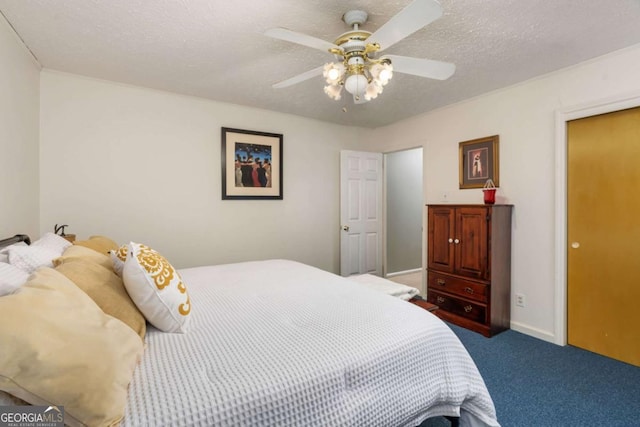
x: 215, y: 49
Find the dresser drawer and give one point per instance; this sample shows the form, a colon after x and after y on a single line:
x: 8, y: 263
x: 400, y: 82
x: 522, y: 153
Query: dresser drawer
x: 464, y: 308
x: 453, y: 285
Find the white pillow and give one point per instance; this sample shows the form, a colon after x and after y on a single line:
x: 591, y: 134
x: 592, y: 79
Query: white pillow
x: 4, y: 252
x: 39, y: 254
x: 11, y: 278
x: 30, y: 258
x: 53, y: 242
x: 118, y: 259
x: 157, y: 289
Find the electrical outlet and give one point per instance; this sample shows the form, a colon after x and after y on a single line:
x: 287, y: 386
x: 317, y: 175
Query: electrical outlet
x: 520, y: 300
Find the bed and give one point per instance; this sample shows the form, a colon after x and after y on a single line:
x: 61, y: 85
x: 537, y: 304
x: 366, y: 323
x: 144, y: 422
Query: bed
x: 280, y: 343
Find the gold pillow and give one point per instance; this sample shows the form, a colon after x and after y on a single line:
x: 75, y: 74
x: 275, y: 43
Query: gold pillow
x: 107, y: 290
x: 59, y: 348
x: 100, y: 244
x: 76, y: 252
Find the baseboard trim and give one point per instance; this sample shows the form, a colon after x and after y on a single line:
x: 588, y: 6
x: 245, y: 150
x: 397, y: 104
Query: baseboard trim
x: 400, y: 273
x: 534, y: 332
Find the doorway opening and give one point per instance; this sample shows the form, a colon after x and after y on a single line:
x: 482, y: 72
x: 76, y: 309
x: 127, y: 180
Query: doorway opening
x: 404, y: 208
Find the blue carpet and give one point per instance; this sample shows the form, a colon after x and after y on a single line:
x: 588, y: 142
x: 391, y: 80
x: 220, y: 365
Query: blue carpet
x: 536, y: 383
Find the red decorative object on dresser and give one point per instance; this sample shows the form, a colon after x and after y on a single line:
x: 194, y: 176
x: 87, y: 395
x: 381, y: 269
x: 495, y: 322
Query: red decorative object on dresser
x: 469, y: 265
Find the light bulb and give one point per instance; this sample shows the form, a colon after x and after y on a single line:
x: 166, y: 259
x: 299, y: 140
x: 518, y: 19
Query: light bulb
x: 333, y: 72
x: 356, y: 84
x: 382, y: 72
x: 333, y: 92
x: 385, y: 76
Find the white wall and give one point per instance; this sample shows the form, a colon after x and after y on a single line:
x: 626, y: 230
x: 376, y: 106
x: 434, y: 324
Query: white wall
x: 139, y: 164
x: 144, y: 165
x: 19, y: 130
x: 403, y: 171
x: 524, y: 117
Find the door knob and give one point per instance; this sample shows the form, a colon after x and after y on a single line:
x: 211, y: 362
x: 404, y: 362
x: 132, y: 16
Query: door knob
x: 345, y: 227
x: 456, y: 241
x: 450, y: 240
x: 575, y: 245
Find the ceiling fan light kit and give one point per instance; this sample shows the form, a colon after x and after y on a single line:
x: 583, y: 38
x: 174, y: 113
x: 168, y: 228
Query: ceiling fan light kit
x: 359, y: 70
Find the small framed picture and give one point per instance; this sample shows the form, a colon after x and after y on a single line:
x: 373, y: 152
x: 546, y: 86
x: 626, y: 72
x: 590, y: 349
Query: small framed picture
x: 251, y: 164
x: 479, y: 161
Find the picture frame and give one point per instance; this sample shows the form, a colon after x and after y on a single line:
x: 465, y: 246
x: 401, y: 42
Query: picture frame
x: 479, y: 161
x: 251, y: 165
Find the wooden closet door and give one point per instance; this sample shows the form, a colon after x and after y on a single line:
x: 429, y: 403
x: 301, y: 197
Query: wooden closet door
x: 603, y: 224
x: 441, y: 233
x: 471, y: 245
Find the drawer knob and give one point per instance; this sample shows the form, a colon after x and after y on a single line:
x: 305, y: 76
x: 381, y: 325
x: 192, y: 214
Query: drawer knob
x: 468, y: 308
x: 440, y: 300
x: 441, y: 282
x: 468, y: 290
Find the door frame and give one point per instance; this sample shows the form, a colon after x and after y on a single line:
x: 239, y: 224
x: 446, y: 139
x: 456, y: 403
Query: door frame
x: 562, y: 116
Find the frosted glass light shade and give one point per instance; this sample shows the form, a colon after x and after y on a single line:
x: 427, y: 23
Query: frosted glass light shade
x: 382, y: 73
x: 356, y: 84
x: 333, y: 72
x: 385, y: 76
x: 373, y: 90
x: 333, y: 92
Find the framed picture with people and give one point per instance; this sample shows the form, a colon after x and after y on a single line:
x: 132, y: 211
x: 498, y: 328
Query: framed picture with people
x: 251, y: 164
x: 479, y: 161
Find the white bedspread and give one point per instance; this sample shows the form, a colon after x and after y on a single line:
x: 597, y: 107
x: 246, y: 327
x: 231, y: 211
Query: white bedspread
x: 278, y: 343
x: 386, y: 286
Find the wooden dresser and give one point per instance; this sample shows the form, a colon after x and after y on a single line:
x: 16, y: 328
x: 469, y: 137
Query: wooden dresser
x: 469, y: 265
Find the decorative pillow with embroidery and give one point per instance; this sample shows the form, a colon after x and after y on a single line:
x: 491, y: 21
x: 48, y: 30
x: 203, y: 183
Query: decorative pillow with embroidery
x: 118, y: 258
x: 157, y: 289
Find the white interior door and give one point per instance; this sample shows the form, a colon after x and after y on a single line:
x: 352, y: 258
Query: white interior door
x: 360, y: 213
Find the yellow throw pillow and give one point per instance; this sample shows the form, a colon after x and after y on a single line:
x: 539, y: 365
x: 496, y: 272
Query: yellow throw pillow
x: 59, y: 348
x: 157, y: 289
x: 107, y: 290
x: 80, y: 252
x: 100, y: 244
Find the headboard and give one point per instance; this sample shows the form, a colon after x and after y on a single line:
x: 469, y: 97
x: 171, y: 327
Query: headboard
x: 15, y: 239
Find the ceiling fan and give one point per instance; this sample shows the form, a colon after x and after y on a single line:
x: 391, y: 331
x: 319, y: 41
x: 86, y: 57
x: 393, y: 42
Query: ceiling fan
x: 360, y: 68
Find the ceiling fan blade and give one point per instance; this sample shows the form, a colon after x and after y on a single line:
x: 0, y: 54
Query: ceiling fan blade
x: 299, y: 78
x: 422, y: 67
x: 410, y: 19
x: 299, y: 38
